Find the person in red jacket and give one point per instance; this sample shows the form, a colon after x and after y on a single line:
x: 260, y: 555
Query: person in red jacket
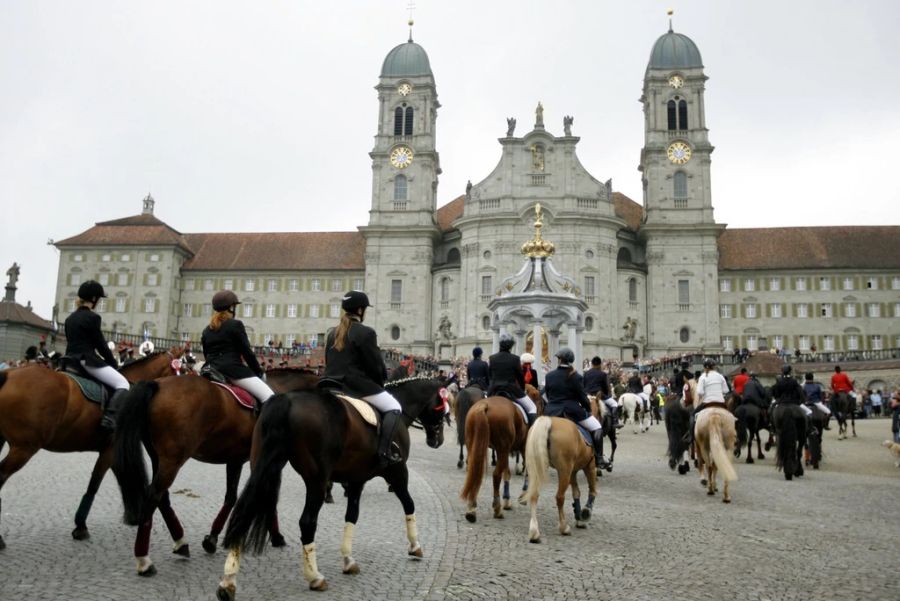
x: 740, y: 381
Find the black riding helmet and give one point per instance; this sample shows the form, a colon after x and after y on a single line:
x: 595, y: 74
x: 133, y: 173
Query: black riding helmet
x: 224, y: 300
x: 506, y: 341
x: 354, y: 300
x: 709, y: 363
x: 786, y: 370
x: 565, y: 355
x: 91, y: 290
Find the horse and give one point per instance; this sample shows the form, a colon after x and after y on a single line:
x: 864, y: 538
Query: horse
x: 464, y: 400
x: 678, y: 424
x: 813, y: 451
x: 843, y: 406
x: 633, y: 410
x: 324, y: 438
x: 715, y: 436
x: 790, y: 427
x: 176, y: 419
x: 556, y: 441
x: 44, y: 409
x: 654, y: 409
x: 749, y: 421
x: 606, y: 419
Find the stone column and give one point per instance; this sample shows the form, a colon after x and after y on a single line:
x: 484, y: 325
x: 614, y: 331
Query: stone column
x: 538, y: 348
x: 519, y: 348
x: 495, y: 340
x: 577, y: 335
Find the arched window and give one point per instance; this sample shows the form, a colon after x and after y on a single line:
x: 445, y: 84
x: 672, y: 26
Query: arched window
x: 398, y: 121
x: 624, y: 257
x: 400, y: 187
x: 680, y: 191
x: 453, y: 255
x: 445, y: 290
x: 408, y: 125
x: 684, y: 334
x: 632, y: 290
x: 682, y: 114
x: 672, y: 113
x: 486, y: 322
x: 395, y: 332
x: 588, y: 323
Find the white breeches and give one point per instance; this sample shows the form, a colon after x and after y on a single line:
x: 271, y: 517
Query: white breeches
x: 590, y: 424
x: 806, y: 410
x: 108, y: 376
x: 384, y: 401
x: 259, y: 389
x: 823, y: 408
x: 611, y: 404
x: 527, y: 404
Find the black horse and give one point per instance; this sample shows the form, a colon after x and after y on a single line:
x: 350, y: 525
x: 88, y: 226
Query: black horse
x: 843, y: 407
x: 608, y: 424
x: 817, y: 422
x: 324, y: 439
x: 464, y: 400
x: 790, y: 429
x: 750, y: 419
x: 678, y: 423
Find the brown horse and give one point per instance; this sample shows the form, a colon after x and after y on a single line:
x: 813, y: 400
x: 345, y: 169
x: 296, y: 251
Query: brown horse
x: 556, y: 441
x: 715, y: 435
x: 44, y: 409
x: 325, y: 439
x: 177, y: 419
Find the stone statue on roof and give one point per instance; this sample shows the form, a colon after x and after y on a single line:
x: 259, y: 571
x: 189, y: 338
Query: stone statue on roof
x: 13, y: 273
x: 567, y: 124
x: 510, y: 126
x: 539, y: 115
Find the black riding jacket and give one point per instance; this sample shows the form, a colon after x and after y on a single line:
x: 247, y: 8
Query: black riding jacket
x: 596, y: 380
x: 506, y: 375
x: 360, y: 365
x: 225, y: 348
x: 479, y: 373
x: 788, y: 390
x: 84, y: 340
x: 564, y: 390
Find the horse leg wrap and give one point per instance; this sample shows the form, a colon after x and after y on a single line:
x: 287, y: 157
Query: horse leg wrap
x: 590, y: 503
x: 347, y: 542
x: 310, y: 566
x: 142, y: 540
x: 232, y: 566
x: 144, y: 564
x: 576, y: 505
x: 84, y: 508
x: 412, y: 535
x: 506, y: 489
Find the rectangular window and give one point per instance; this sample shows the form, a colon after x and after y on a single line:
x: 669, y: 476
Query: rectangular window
x: 776, y: 310
x: 74, y: 279
x: 827, y: 311
x: 272, y: 285
x: 189, y: 283
x: 208, y: 284
x: 848, y: 284
x: 749, y: 285
x: 337, y: 285
x: 802, y: 310
x: 684, y: 292
x: 877, y: 343
x: 778, y: 341
x: 120, y: 304
x: 828, y: 343
x: 774, y: 284
x: 292, y: 310
x: 78, y: 258
x: 752, y: 342
x: 71, y: 304
x: 315, y: 284
x: 358, y: 284
x: 803, y: 343
x: 270, y: 310
x: 728, y: 343
x: 249, y: 285
x: 247, y: 310
x: 396, y: 291
x: 106, y: 258
x: 207, y: 310
x: 895, y: 283
x: 853, y: 342
x: 334, y: 310
x: 724, y: 285
x: 188, y: 310
x: 122, y: 279
x: 152, y: 279
x: 125, y: 258
x: 824, y: 283
x: 149, y: 305
x: 725, y: 311
x: 850, y: 310
x: 750, y: 311
x: 872, y: 283
x: 293, y: 285
x: 874, y: 310
x: 289, y: 340
x: 154, y: 258
x: 896, y: 309
x: 314, y: 310
x: 103, y: 278
x: 589, y: 286
x: 800, y: 283
x: 228, y: 284
x: 101, y: 305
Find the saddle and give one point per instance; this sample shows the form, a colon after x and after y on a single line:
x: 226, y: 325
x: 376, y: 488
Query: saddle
x: 336, y: 389
x: 243, y: 398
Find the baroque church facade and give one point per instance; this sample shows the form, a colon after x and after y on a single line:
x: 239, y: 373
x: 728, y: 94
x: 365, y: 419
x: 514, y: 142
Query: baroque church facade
x: 657, y: 278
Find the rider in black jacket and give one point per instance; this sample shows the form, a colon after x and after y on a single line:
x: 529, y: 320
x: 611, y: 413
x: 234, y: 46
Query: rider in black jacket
x: 85, y: 345
x: 478, y: 371
x: 507, y: 377
x: 596, y: 382
x: 352, y: 357
x: 226, y: 348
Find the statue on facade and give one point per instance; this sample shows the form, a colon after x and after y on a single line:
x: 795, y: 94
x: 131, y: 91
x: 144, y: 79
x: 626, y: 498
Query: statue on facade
x: 469, y: 190
x: 510, y: 126
x: 567, y: 124
x: 13, y: 273
x: 630, y: 328
x: 539, y: 116
x: 444, y: 328
x: 537, y: 157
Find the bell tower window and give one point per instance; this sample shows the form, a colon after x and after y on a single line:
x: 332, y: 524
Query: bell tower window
x: 680, y: 191
x: 403, y: 120
x: 682, y: 114
x: 400, y: 187
x: 676, y: 114
x: 408, y: 122
x: 398, y: 121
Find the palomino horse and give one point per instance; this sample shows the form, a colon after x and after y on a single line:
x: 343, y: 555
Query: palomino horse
x: 177, y: 419
x: 556, y: 441
x: 714, y: 435
x: 44, y: 409
x: 464, y: 400
x: 496, y: 423
x: 844, y: 406
x: 633, y: 411
x: 601, y: 412
x: 790, y: 430
x: 325, y: 439
x: 678, y: 424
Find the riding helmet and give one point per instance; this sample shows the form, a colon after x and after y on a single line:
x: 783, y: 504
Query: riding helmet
x: 91, y: 290
x: 354, y: 300
x: 477, y: 352
x: 506, y: 341
x: 565, y: 355
x: 224, y: 300
x: 709, y: 363
x: 809, y: 376
x: 786, y: 370
x: 527, y: 358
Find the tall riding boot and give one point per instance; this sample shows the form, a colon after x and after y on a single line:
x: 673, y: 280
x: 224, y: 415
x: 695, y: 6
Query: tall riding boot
x: 531, y: 418
x: 387, y: 454
x: 617, y: 418
x: 599, y: 459
x: 108, y: 421
x: 828, y: 422
x: 258, y: 405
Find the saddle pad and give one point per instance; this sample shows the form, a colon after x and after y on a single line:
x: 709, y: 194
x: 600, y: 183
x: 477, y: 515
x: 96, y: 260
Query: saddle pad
x: 588, y: 440
x: 91, y: 389
x: 364, y: 409
x: 244, y: 398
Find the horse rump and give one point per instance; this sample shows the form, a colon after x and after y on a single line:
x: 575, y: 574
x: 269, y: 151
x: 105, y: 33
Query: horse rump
x: 128, y: 457
x: 537, y: 456
x: 464, y: 400
x: 717, y: 449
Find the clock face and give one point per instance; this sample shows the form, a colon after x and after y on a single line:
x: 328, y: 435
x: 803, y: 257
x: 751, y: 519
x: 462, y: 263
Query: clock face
x: 679, y: 153
x: 401, y: 157
x: 676, y: 81
x: 404, y: 88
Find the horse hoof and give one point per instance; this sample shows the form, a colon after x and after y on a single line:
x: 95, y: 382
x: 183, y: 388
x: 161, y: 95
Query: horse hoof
x: 459, y: 465
x: 788, y: 476
x: 150, y: 571
x: 536, y: 540
x: 470, y: 517
x: 672, y: 464
x: 760, y: 456
x: 353, y: 568
x: 329, y: 498
x: 183, y: 550
x: 318, y: 585
x: 81, y: 533
x: 749, y: 459
x: 225, y: 594
x: 585, y: 514
x: 209, y: 543
x: 726, y: 500
x: 768, y: 447
x: 580, y: 524
x: 2, y: 544
x: 815, y: 466
x: 417, y: 552
x: 523, y: 500
x: 507, y: 505
x: 609, y: 467
x: 567, y: 531
x: 498, y: 515
x: 278, y: 540
x: 703, y: 482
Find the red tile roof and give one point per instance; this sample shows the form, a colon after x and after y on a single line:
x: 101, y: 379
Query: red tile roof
x: 277, y: 251
x: 450, y: 212
x: 628, y: 210
x: 15, y: 313
x: 838, y: 247
x: 138, y: 230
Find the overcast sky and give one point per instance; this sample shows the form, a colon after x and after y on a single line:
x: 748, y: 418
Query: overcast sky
x: 259, y: 116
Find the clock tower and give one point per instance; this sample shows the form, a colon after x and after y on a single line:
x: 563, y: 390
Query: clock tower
x: 402, y: 231
x: 679, y: 228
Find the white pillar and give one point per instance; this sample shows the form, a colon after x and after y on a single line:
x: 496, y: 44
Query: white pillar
x: 495, y: 341
x: 538, y: 348
x: 577, y: 334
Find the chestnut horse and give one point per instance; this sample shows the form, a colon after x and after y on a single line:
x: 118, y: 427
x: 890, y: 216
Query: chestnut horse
x: 556, y: 441
x: 177, y: 419
x: 44, y: 409
x: 714, y: 435
x: 325, y: 439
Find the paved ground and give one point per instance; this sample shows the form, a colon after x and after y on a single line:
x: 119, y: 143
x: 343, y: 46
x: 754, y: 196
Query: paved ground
x: 833, y: 534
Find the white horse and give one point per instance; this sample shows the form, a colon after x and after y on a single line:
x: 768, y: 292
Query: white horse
x: 633, y: 411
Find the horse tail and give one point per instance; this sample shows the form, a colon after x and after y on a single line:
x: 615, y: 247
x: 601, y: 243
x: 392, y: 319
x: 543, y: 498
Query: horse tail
x: 128, y: 456
x: 787, y: 443
x: 2, y: 378
x: 537, y: 456
x: 742, y: 425
x: 255, y: 509
x: 478, y: 438
x: 717, y: 448
x: 677, y: 423
x: 463, y: 404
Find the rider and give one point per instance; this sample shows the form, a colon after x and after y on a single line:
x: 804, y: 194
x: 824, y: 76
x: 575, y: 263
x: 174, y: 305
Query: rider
x: 740, y: 381
x: 813, y: 391
x: 564, y: 390
x: 755, y: 393
x: 711, y: 389
x: 787, y: 390
x: 528, y: 373
x: 841, y: 383
x: 352, y: 357
x: 86, y: 345
x: 478, y: 371
x: 506, y: 376
x: 680, y: 379
x: 596, y: 382
x: 225, y: 343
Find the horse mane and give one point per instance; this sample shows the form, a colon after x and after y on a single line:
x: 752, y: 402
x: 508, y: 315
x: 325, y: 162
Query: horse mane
x: 396, y: 383
x: 145, y: 358
x: 292, y: 370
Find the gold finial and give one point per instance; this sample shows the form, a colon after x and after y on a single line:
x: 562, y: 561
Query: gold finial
x: 410, y: 7
x: 538, y: 247
x: 670, y: 12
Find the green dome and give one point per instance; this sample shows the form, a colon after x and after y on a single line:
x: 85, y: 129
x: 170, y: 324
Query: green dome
x: 674, y: 51
x: 406, y: 60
